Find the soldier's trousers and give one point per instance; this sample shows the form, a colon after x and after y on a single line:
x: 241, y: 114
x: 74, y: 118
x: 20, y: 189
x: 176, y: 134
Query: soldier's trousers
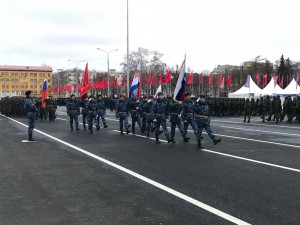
x: 204, y: 123
x: 144, y: 123
x: 43, y: 115
x: 51, y: 114
x: 177, y: 123
x: 84, y: 118
x: 31, y: 122
x: 100, y: 115
x: 190, y: 121
x: 247, y: 115
x: 73, y: 117
x: 150, y: 124
x: 161, y: 121
x: 123, y: 121
x: 91, y: 118
x: 135, y: 119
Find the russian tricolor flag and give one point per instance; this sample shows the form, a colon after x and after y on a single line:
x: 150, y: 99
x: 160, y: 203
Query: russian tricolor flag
x: 180, y: 86
x: 44, y: 93
x: 135, y: 85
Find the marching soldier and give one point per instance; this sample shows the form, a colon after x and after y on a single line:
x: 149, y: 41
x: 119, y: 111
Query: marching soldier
x: 51, y: 107
x: 247, y: 110
x: 31, y: 111
x: 147, y: 108
x: 201, y: 111
x: 134, y: 109
x: 122, y: 113
x: 92, y: 110
x: 143, y: 114
x: 101, y: 112
x: 160, y: 111
x: 84, y: 112
x: 73, y: 111
x: 187, y: 114
x: 175, y: 119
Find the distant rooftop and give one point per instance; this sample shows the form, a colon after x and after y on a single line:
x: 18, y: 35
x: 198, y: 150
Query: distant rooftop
x: 26, y: 68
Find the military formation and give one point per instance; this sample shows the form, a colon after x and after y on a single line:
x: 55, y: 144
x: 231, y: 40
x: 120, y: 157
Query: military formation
x: 151, y: 114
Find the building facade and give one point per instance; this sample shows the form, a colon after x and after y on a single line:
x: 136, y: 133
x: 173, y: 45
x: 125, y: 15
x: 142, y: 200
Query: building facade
x: 16, y: 80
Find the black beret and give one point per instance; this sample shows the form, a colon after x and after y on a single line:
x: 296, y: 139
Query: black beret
x: 28, y: 93
x: 187, y: 94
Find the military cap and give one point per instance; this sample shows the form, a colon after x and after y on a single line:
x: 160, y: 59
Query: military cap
x: 160, y: 93
x: 202, y: 95
x: 72, y: 95
x: 187, y: 94
x: 28, y: 93
x: 99, y: 95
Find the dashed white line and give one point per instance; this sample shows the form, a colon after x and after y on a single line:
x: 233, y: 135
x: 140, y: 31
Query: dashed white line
x: 147, y: 180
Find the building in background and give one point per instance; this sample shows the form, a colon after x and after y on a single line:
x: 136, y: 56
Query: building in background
x: 16, y: 80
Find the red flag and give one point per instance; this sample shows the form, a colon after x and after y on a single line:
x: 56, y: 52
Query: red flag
x: 55, y: 89
x: 115, y: 83
x: 154, y: 79
x: 85, y: 85
x: 211, y: 79
x: 160, y: 78
x: 123, y: 82
x: 44, y: 93
x: 290, y: 78
x: 149, y: 79
x: 190, y: 79
x: 257, y: 79
x: 201, y: 78
x: 220, y: 79
x: 229, y: 79
x: 265, y: 79
x: 168, y: 77
x: 281, y: 82
x: 275, y: 77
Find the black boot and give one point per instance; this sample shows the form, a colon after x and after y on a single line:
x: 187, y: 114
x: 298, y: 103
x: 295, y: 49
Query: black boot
x: 30, y: 138
x: 71, y: 127
x: 186, y: 139
x: 148, y: 135
x: 84, y: 127
x: 200, y: 146
x: 105, y: 126
x: 157, y: 140
x: 133, y: 130
x: 216, y: 141
x: 77, y: 128
x: 98, y: 128
x: 127, y: 130
x: 121, y: 129
x: 248, y: 121
x: 172, y: 140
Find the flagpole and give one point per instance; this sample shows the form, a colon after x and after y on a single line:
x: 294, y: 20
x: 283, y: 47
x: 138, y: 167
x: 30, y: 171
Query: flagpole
x: 127, y: 53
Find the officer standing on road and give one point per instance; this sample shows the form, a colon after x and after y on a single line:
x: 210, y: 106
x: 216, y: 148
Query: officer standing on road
x: 101, y: 112
x: 122, y: 113
x: 247, y: 110
x: 92, y: 110
x: 187, y: 114
x: 73, y: 110
x: 31, y: 111
x: 50, y: 106
x: 201, y: 111
x: 160, y: 109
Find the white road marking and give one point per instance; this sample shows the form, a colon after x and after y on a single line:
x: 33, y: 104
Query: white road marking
x: 255, y: 124
x: 141, y: 136
x: 28, y: 141
x: 61, y: 119
x: 263, y: 131
x: 147, y: 180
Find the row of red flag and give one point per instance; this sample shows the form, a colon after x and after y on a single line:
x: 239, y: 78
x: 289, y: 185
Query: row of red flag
x: 276, y: 77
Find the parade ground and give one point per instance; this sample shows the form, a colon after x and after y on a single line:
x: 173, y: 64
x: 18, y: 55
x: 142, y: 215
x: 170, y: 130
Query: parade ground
x: 74, y: 177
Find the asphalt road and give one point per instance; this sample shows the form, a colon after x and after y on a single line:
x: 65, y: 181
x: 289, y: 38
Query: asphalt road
x: 251, y: 177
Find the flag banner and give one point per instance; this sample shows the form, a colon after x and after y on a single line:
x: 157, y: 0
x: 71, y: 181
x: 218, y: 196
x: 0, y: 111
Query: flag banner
x: 44, y: 93
x: 149, y: 79
x: 275, y: 77
x: 229, y: 79
x: 201, y: 78
x: 168, y: 77
x: 265, y: 79
x: 257, y: 79
x: 115, y: 83
x: 220, y: 79
x: 210, y: 81
x: 281, y: 82
x: 180, y: 85
x: 247, y: 84
x: 154, y: 79
x: 157, y: 91
x: 160, y: 78
x: 135, y: 85
x: 190, y: 79
x: 123, y: 82
x: 85, y: 85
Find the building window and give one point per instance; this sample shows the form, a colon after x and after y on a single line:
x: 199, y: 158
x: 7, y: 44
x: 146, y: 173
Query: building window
x: 7, y: 86
x: 31, y: 74
x: 40, y: 74
x: 12, y: 86
x: 35, y: 86
x: 48, y: 81
x: 41, y: 86
x: 3, y: 86
x: 35, y: 74
x: 35, y: 80
x: 17, y: 86
x: 31, y: 86
x: 2, y: 74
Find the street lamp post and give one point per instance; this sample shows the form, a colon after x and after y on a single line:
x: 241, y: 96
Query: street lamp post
x: 76, y: 68
x: 107, y: 54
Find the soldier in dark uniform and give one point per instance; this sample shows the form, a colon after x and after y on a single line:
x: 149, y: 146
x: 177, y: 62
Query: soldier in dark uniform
x: 134, y: 108
x: 290, y: 109
x: 84, y: 112
x: 247, y: 110
x: 31, y: 111
x: 92, y: 110
x: 187, y: 114
x: 143, y: 114
x: 147, y: 108
x: 202, y: 117
x: 175, y: 118
x: 160, y: 110
x: 101, y: 112
x: 122, y: 114
x: 73, y: 110
x: 284, y: 108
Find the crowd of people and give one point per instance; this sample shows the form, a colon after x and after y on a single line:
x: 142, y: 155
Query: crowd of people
x: 152, y: 114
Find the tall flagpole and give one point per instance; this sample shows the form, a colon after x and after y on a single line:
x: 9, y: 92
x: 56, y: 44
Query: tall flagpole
x: 127, y: 53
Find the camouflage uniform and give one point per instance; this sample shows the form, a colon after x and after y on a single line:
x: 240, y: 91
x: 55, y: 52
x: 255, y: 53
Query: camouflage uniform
x: 92, y: 110
x: 188, y: 116
x: 122, y: 113
x: 84, y: 112
x: 247, y: 110
x: 134, y: 109
x: 31, y: 110
x: 101, y: 113
x: 150, y: 124
x: 51, y: 108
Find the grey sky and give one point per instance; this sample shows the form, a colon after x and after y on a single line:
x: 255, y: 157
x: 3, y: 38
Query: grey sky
x: 210, y: 32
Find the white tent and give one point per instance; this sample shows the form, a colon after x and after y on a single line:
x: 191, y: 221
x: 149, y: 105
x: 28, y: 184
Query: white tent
x: 292, y: 89
x: 247, y: 92
x: 272, y: 89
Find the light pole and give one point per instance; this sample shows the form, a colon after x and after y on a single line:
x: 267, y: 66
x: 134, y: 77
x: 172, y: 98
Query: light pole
x: 107, y: 54
x: 127, y: 71
x: 76, y: 68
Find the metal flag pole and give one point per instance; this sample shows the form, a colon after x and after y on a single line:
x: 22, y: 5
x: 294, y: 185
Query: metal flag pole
x: 127, y: 53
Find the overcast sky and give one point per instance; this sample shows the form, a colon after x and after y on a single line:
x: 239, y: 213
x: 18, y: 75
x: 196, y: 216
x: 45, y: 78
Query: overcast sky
x: 211, y: 32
